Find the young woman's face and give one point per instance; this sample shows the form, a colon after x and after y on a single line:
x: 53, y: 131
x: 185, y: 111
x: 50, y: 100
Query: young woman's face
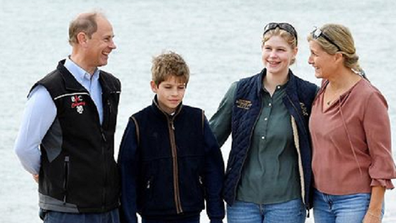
x: 277, y: 55
x: 170, y: 93
x: 321, y: 61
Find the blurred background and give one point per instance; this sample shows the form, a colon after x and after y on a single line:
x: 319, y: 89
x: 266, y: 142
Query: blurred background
x: 220, y: 40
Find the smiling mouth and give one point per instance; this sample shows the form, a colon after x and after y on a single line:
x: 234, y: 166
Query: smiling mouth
x: 273, y: 63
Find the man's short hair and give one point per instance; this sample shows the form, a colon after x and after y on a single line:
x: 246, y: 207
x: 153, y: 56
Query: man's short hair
x: 86, y: 23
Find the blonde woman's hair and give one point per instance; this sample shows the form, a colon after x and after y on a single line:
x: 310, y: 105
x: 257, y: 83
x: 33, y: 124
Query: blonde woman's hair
x: 342, y: 37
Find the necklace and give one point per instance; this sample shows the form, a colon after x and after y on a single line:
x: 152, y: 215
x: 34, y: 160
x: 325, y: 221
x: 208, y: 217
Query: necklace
x: 329, y: 102
x: 335, y: 96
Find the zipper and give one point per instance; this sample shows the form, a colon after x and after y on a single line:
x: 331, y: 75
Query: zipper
x: 201, y: 186
x: 171, y: 129
x: 106, y: 122
x: 104, y: 192
x: 103, y: 135
x: 109, y: 104
x: 66, y: 166
x: 107, y: 113
x: 176, y: 188
x: 200, y: 180
x: 148, y: 185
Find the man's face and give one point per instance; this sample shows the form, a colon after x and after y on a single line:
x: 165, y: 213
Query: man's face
x: 100, y: 45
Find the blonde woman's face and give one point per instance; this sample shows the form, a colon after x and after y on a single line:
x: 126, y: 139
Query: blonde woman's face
x: 321, y: 61
x: 277, y: 55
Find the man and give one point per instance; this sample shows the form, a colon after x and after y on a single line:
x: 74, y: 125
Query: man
x: 66, y: 138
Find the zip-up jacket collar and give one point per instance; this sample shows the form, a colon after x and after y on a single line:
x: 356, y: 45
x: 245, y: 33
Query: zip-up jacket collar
x: 159, y: 111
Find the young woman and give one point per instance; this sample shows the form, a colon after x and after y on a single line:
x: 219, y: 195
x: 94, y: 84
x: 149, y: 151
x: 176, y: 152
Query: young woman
x: 352, y: 160
x: 268, y: 174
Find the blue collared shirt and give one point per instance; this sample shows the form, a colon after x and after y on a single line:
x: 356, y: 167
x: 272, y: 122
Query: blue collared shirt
x: 90, y: 82
x: 35, y: 125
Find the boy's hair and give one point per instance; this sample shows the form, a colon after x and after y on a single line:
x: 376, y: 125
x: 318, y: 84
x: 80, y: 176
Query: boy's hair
x: 169, y: 64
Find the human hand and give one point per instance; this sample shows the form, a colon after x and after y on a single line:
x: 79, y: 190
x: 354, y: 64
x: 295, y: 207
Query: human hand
x: 36, y: 177
x: 372, y: 218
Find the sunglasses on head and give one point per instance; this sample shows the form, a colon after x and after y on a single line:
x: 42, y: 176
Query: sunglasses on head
x: 317, y: 33
x: 284, y: 26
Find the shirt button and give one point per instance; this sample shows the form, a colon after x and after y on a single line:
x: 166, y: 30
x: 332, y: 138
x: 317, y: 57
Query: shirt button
x: 270, y: 104
x: 265, y: 119
x: 263, y: 137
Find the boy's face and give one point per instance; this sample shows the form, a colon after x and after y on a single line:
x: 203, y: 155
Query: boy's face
x: 169, y: 93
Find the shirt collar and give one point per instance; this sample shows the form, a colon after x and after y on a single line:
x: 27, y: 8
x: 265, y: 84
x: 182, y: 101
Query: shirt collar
x: 277, y: 88
x: 79, y: 73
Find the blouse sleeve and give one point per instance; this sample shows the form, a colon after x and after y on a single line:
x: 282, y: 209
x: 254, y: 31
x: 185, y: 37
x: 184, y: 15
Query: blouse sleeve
x: 378, y: 133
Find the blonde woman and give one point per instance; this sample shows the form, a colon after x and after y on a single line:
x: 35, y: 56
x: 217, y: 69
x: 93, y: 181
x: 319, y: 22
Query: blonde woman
x: 350, y: 129
x: 268, y: 174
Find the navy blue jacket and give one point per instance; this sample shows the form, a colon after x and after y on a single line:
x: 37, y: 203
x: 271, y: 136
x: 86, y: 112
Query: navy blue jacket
x: 169, y: 165
x: 246, y: 110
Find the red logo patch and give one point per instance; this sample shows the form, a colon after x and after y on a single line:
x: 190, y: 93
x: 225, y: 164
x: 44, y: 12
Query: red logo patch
x: 78, y: 103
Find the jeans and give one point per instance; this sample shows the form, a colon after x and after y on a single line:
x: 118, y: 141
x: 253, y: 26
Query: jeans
x: 188, y: 220
x: 61, y: 217
x: 286, y: 212
x: 340, y: 208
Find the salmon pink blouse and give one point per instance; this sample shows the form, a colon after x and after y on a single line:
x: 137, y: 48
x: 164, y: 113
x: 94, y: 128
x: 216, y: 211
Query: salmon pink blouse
x: 352, y: 142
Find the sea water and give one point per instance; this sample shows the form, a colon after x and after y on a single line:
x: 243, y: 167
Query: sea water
x: 219, y: 39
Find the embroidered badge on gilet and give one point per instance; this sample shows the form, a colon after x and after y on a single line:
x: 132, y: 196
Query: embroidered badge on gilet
x: 78, y: 103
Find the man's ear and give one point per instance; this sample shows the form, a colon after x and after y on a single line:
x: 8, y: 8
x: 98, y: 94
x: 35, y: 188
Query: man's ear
x: 154, y: 86
x: 82, y: 38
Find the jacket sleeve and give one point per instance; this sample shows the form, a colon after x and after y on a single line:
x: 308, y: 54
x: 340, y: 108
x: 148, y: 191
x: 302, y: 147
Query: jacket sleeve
x: 213, y: 176
x: 220, y: 122
x: 128, y: 166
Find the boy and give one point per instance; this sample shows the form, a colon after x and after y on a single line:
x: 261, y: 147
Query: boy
x: 169, y: 159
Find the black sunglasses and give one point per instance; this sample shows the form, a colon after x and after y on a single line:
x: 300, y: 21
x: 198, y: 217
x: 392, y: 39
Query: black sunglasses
x: 316, y: 33
x: 284, y: 26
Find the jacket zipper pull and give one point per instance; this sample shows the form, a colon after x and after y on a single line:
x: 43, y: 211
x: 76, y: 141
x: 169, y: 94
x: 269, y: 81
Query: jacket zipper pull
x: 172, y: 125
x: 109, y: 104
x: 65, y: 182
x: 103, y: 135
x: 148, y: 184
